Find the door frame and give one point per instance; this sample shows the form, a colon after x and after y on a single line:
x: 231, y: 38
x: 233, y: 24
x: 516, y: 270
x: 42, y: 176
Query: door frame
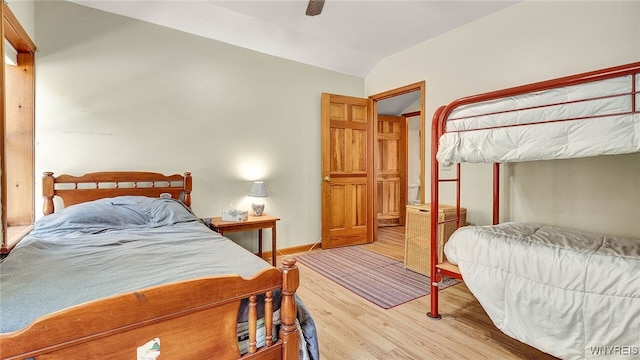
x: 25, y: 98
x: 418, y: 86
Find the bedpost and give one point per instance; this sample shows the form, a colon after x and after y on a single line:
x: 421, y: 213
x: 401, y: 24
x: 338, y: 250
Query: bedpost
x: 47, y: 192
x: 187, y: 183
x: 288, y: 331
x: 253, y: 326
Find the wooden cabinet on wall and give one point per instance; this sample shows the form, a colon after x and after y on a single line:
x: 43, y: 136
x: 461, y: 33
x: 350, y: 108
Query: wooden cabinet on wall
x: 17, y: 133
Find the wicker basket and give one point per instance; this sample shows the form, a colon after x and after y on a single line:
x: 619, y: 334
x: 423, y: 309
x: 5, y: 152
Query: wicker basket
x: 417, y: 253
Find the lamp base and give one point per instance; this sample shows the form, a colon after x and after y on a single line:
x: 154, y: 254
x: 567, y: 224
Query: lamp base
x: 258, y: 209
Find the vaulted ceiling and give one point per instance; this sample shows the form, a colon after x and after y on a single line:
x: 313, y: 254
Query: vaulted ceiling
x: 350, y: 37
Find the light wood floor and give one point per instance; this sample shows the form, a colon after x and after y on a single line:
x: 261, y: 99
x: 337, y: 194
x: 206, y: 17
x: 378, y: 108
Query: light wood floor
x: 350, y: 327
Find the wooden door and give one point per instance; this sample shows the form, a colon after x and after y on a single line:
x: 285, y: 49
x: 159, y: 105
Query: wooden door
x: 391, y: 168
x: 347, y: 171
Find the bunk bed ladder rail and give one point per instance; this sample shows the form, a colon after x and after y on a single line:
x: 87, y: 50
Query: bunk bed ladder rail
x: 437, y: 269
x: 437, y: 273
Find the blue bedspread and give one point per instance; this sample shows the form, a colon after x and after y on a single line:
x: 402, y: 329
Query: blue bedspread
x: 113, y: 246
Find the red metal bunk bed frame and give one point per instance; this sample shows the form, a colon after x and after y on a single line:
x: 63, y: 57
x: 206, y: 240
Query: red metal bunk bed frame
x: 438, y: 128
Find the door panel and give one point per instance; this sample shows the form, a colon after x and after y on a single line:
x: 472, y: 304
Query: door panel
x: 347, y: 171
x: 391, y: 168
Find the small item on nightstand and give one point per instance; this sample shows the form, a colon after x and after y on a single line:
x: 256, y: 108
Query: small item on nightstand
x: 258, y: 190
x: 235, y: 215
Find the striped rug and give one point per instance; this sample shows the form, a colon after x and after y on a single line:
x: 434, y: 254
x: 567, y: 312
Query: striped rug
x: 377, y: 278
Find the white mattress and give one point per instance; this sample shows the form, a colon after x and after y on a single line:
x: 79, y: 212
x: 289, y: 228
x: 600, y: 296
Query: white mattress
x: 471, y: 133
x: 571, y: 294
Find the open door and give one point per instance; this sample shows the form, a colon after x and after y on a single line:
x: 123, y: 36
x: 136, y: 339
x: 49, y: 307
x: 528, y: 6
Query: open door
x: 408, y: 102
x: 391, y: 170
x: 348, y: 172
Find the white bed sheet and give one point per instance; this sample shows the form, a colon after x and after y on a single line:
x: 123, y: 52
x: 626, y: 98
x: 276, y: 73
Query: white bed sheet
x: 571, y: 294
x: 472, y: 135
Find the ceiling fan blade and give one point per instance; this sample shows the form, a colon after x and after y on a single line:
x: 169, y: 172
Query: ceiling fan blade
x: 315, y: 7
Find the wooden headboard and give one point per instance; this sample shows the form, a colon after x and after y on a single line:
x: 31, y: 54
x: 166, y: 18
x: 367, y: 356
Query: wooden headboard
x: 98, y: 185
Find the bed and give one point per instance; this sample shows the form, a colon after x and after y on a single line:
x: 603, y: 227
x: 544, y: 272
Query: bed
x: 569, y: 293
x: 127, y: 270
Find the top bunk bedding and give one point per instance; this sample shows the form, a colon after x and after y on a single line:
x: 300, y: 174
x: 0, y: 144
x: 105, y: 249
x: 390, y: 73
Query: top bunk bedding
x: 584, y: 115
x: 111, y: 246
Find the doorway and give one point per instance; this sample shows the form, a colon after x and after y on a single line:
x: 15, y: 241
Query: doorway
x: 350, y: 197
x: 399, y: 152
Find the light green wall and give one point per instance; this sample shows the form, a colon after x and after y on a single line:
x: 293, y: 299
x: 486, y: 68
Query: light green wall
x: 528, y: 42
x: 113, y: 93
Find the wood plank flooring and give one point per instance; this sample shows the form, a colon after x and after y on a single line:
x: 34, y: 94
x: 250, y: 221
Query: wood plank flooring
x: 350, y: 327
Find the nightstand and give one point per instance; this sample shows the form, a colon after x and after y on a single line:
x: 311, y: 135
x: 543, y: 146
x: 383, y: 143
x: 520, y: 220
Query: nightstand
x: 263, y: 221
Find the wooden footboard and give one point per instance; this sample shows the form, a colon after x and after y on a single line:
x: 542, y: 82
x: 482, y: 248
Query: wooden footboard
x: 194, y: 319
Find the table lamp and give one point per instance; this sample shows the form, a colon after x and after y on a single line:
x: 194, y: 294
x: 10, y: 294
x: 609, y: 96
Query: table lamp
x: 258, y: 190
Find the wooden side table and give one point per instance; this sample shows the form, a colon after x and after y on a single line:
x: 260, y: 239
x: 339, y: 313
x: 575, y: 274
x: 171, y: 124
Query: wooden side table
x: 263, y: 221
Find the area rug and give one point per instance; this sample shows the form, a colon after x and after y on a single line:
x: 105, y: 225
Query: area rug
x: 383, y: 281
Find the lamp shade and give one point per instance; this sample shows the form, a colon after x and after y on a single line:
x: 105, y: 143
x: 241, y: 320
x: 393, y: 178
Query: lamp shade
x: 258, y: 189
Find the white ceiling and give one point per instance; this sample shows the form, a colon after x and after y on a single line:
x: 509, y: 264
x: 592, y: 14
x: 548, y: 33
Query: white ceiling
x: 350, y: 37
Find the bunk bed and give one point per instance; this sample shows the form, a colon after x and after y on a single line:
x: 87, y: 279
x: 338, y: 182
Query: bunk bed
x: 126, y: 270
x: 569, y: 293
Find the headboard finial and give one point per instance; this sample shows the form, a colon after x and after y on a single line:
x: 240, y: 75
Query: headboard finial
x: 47, y: 192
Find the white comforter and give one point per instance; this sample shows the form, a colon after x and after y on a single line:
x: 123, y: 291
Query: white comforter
x: 571, y: 294
x: 493, y: 131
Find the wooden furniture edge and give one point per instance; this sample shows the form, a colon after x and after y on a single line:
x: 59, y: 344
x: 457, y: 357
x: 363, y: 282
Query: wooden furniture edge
x: 259, y: 223
x: 252, y: 223
x: 93, y: 326
x: 448, y: 269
